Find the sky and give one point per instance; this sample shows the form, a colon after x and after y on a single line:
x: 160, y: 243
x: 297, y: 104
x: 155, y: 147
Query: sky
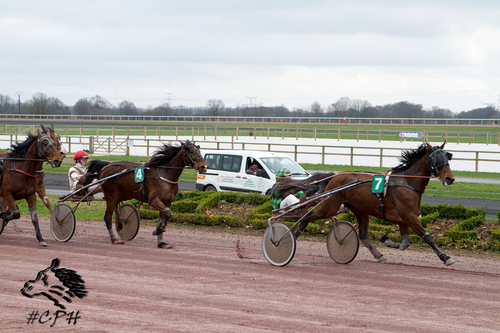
x: 260, y: 52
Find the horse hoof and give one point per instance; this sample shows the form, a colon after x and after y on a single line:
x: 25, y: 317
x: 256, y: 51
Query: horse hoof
x: 42, y: 243
x: 403, y: 246
x: 382, y: 260
x: 164, y: 245
x: 118, y: 242
x: 449, y: 262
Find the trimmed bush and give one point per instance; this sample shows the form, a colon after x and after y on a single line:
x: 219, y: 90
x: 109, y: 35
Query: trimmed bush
x: 184, y: 206
x: 463, y: 229
x: 495, y: 234
x: 429, y: 218
x: 452, y: 212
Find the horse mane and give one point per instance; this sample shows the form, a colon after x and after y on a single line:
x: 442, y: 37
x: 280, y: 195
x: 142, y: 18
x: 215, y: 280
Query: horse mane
x: 93, y: 170
x: 71, y: 280
x: 19, y: 148
x: 410, y: 157
x: 163, y: 155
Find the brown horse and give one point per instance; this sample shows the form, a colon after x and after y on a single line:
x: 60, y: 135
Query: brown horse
x: 400, y: 204
x: 21, y: 176
x: 158, y: 189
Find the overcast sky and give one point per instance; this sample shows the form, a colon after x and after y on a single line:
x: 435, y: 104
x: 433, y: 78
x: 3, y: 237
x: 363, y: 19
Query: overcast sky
x: 291, y: 53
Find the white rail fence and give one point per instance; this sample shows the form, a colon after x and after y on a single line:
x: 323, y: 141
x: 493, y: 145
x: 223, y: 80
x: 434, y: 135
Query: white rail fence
x: 473, y: 157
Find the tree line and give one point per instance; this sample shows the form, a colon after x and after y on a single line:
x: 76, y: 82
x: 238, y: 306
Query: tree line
x: 40, y: 103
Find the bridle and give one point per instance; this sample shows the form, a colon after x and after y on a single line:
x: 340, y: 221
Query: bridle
x: 43, y: 149
x: 438, y: 159
x: 194, y: 162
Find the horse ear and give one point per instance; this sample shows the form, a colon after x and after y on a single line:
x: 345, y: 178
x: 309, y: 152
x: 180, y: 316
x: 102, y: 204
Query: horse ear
x: 38, y: 130
x: 442, y: 146
x: 429, y: 147
x: 52, y: 127
x: 55, y: 263
x: 45, y: 130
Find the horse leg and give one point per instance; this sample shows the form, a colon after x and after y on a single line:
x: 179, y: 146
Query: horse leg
x: 109, y: 223
x: 415, y: 224
x: 405, y: 232
x: 363, y: 222
x: 161, y: 226
x: 31, y: 200
x: 387, y: 241
x: 441, y: 255
x: 43, y: 196
x: 34, y: 219
x: 9, y: 214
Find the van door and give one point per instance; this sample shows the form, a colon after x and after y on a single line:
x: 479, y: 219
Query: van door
x: 255, y: 175
x: 234, y: 176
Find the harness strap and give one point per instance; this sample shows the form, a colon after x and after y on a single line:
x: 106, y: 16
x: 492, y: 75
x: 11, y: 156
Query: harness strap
x: 25, y: 173
x: 168, y: 181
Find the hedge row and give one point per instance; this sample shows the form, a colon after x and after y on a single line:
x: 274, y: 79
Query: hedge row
x: 194, y: 206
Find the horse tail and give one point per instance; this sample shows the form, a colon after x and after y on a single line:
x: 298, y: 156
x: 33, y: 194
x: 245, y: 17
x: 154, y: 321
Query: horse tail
x: 94, y: 170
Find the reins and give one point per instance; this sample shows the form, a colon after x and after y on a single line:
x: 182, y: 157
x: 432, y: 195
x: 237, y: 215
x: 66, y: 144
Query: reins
x: 366, y: 173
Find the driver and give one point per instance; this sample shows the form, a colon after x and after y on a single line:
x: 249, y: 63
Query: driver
x: 75, y: 173
x: 280, y: 197
x: 76, y: 176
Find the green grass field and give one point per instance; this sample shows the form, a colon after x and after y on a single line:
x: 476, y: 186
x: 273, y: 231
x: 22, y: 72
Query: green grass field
x: 435, y: 188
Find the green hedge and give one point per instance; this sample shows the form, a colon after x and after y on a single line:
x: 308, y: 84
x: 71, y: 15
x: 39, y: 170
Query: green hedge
x: 446, y: 211
x: 463, y: 230
x: 192, y: 207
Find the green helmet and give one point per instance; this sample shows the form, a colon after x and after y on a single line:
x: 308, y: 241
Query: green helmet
x: 283, y: 172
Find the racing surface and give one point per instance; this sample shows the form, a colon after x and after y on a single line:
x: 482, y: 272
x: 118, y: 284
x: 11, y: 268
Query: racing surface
x: 220, y: 282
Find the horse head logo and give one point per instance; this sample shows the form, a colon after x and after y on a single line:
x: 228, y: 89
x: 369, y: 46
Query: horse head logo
x: 56, y: 284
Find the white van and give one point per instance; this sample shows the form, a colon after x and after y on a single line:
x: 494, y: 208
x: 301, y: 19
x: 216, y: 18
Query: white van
x: 229, y: 170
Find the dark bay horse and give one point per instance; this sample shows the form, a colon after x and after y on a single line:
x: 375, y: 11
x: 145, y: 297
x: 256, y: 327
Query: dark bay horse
x: 158, y: 189
x: 401, y: 202
x: 21, y: 176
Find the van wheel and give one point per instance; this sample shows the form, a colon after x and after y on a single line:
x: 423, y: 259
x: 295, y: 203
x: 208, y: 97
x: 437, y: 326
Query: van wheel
x: 210, y: 188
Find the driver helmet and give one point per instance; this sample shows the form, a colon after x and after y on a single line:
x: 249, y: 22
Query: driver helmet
x: 282, y: 173
x: 80, y: 154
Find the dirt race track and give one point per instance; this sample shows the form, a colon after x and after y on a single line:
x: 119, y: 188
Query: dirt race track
x: 221, y: 282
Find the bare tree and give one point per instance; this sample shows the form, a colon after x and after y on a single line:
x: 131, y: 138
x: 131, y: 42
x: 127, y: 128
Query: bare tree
x: 127, y: 108
x: 162, y: 110
x: 82, y: 107
x: 215, y: 107
x: 340, y: 107
x: 358, y: 106
x: 7, y: 104
x: 39, y: 104
x: 317, y: 109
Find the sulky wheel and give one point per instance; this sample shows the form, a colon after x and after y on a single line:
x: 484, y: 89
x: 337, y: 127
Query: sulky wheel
x: 130, y: 225
x: 342, y: 242
x: 62, y: 223
x: 282, y: 252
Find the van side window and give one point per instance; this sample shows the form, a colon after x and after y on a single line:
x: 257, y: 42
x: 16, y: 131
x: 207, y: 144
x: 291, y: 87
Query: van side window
x: 213, y: 161
x: 231, y: 163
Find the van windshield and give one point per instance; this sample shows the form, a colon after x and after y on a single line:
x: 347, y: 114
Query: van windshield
x: 274, y: 163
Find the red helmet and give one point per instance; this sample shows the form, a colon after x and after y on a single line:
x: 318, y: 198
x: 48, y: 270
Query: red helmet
x: 79, y: 154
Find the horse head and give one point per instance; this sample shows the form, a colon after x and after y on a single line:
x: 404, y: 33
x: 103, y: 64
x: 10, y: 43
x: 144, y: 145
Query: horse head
x: 49, y: 146
x: 193, y: 156
x: 56, y: 284
x: 438, y: 164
